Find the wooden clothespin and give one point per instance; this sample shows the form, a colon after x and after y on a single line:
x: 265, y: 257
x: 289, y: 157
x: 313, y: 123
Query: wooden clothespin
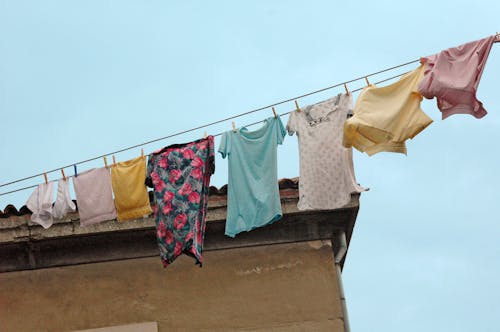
x: 63, y: 175
x: 274, y: 112
x: 234, y: 126
x: 205, y: 134
x: 114, y: 160
x: 297, y: 108
x: 105, y: 161
x: 367, y: 82
x: 45, y: 177
x: 142, y: 152
x: 346, y: 89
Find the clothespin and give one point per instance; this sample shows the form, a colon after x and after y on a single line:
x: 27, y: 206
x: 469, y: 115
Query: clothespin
x: 114, y: 160
x: 142, y: 152
x: 367, y: 82
x: 297, y: 108
x: 497, y: 38
x: 274, y: 112
x: 346, y: 89
x: 45, y: 177
x: 74, y: 168
x: 234, y: 126
x: 205, y: 134
x: 63, y: 175
x: 105, y: 161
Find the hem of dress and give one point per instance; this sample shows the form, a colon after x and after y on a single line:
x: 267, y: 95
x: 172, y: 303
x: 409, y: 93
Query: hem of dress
x: 308, y: 207
x: 197, y: 257
x: 276, y: 217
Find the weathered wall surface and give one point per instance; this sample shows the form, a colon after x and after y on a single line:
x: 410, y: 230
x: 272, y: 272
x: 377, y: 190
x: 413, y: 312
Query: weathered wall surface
x: 285, y: 287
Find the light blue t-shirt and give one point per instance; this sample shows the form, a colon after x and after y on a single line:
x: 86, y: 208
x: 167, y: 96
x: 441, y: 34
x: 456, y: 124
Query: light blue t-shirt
x: 253, y: 193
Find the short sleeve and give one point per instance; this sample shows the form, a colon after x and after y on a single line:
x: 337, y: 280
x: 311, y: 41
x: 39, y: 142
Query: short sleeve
x: 291, y: 125
x: 280, y: 130
x: 225, y: 144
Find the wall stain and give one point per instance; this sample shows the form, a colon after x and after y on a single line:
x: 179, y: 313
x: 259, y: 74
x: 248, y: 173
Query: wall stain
x: 269, y: 268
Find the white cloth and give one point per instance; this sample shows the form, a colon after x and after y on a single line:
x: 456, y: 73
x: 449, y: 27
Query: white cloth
x: 94, y: 196
x: 63, y: 204
x: 326, y: 168
x: 40, y: 204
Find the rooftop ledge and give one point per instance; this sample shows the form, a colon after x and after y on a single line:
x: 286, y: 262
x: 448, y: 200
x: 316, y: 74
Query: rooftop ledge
x: 25, y: 245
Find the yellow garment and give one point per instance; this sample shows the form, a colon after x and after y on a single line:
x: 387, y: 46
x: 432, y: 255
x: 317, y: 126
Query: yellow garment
x: 384, y: 118
x: 131, y: 194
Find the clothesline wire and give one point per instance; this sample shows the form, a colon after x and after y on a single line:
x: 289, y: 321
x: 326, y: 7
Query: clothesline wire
x: 211, y: 124
x: 355, y: 90
x: 219, y: 134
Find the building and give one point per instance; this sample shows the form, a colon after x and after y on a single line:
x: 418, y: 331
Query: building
x: 283, y: 277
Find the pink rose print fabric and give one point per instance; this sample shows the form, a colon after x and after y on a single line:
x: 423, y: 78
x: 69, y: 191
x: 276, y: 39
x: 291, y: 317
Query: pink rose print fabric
x: 180, y: 175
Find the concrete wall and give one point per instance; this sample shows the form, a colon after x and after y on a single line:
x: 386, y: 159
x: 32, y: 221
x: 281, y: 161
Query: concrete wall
x: 282, y: 287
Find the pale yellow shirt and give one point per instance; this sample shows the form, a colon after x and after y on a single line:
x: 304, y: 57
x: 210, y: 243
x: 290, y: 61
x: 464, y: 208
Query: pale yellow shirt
x: 131, y: 194
x: 384, y: 118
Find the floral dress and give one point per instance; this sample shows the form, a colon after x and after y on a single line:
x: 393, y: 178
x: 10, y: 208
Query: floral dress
x: 180, y: 175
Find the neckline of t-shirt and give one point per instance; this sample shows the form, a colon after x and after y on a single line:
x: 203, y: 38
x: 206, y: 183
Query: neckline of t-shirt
x: 341, y: 100
x: 255, y: 134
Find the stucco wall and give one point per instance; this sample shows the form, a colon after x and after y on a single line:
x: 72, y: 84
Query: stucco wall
x: 285, y: 287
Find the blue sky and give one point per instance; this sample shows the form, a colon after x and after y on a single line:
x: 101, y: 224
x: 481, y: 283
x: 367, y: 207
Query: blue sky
x: 80, y: 79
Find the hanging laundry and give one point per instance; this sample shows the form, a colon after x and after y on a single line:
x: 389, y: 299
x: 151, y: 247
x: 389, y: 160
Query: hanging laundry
x: 180, y: 175
x: 40, y: 204
x: 384, y: 118
x: 63, y: 204
x: 253, y: 193
x: 94, y: 196
x: 131, y: 195
x: 453, y: 75
x: 326, y: 168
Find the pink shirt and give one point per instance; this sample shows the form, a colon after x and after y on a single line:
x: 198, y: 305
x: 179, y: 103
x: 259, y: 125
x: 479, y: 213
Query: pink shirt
x: 452, y: 76
x: 94, y: 196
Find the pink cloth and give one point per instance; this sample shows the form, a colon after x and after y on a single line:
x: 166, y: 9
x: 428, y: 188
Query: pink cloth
x: 94, y: 196
x: 453, y: 75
